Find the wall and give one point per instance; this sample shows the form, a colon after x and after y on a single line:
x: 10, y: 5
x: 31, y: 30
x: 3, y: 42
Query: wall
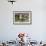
x: 9, y: 31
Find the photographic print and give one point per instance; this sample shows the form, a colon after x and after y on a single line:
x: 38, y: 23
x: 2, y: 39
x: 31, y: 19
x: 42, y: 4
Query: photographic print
x: 22, y: 17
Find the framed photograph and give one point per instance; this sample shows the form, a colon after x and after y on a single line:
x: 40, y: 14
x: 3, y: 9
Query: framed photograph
x: 22, y: 17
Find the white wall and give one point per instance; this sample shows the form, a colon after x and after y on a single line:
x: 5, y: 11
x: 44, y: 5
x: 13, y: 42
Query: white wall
x: 9, y: 31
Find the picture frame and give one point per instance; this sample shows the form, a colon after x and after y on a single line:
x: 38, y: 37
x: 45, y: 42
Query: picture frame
x: 22, y: 17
